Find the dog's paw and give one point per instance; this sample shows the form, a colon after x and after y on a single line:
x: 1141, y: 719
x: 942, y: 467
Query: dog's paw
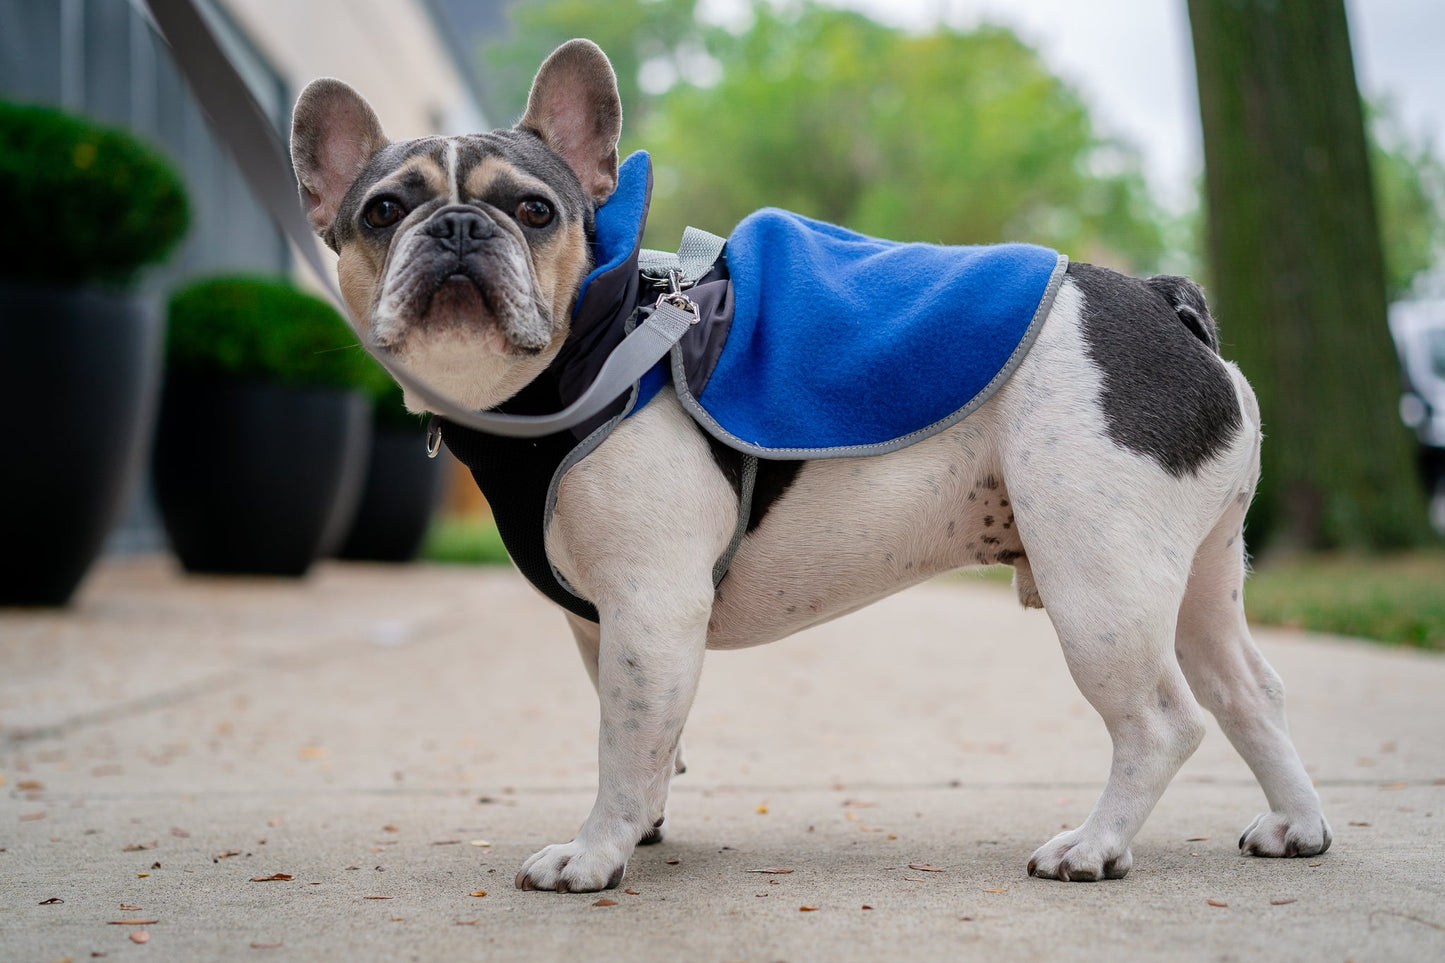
x: 572, y: 868
x: 1276, y: 834
x: 654, y: 835
x: 1072, y: 857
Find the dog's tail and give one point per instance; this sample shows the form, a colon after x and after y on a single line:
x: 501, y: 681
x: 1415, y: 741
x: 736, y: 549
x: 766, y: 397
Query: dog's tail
x: 1187, y: 300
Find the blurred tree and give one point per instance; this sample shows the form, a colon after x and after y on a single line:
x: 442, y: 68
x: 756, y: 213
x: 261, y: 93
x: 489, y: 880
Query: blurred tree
x: 1410, y: 195
x: 944, y: 136
x: 660, y: 35
x: 1298, y: 272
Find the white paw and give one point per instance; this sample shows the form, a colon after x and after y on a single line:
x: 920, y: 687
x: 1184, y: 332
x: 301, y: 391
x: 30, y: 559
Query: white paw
x: 1276, y: 834
x: 1074, y: 857
x: 572, y: 868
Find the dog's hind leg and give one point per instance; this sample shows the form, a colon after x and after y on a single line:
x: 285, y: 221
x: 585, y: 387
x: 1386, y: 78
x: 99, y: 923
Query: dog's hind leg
x: 1116, y: 637
x: 1231, y: 679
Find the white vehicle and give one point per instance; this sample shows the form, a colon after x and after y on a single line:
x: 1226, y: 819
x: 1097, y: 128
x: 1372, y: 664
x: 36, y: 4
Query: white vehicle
x: 1419, y: 331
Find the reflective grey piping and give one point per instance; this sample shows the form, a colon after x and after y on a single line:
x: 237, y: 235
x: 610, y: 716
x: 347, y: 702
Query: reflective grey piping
x: 746, y: 484
x: 701, y: 416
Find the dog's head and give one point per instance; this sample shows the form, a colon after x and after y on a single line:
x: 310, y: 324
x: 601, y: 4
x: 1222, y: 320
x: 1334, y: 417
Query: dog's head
x: 462, y: 256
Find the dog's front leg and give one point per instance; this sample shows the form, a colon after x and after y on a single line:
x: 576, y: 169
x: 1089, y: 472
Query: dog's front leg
x: 647, y: 670
x: 637, y: 529
x: 588, y: 636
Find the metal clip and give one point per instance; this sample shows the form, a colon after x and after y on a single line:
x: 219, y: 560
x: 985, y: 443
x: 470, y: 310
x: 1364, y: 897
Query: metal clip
x: 676, y: 298
x: 433, y: 437
x: 682, y: 302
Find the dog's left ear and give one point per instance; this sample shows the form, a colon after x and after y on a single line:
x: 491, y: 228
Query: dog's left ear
x: 575, y: 108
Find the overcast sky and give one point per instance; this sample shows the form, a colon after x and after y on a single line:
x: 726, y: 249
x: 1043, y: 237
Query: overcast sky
x: 1132, y: 61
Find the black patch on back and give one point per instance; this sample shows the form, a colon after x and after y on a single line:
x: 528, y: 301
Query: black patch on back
x: 1165, y: 393
x: 773, y: 479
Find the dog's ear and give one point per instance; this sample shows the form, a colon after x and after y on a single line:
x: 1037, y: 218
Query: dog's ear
x: 575, y: 108
x: 334, y: 132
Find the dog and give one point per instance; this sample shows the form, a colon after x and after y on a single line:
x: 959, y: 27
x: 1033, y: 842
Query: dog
x: 1111, y: 468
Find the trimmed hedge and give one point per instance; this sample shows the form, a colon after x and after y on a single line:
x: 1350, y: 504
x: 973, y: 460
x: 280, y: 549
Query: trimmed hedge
x: 264, y: 329
x: 87, y: 202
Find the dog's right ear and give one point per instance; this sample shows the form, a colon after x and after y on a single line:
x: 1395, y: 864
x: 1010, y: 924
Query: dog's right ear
x: 334, y: 132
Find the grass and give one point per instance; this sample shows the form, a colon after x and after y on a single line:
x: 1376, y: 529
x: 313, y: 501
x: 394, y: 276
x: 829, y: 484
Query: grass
x: 1397, y: 599
x: 464, y: 541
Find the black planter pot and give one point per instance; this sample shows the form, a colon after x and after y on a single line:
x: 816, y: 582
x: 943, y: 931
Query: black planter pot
x: 77, y: 406
x: 403, y: 487
x: 255, y: 478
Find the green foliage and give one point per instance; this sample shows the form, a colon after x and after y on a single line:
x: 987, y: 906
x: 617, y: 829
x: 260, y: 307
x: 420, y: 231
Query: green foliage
x: 265, y: 329
x: 87, y: 202
x: 1409, y: 182
x: 1394, y: 599
x: 946, y: 136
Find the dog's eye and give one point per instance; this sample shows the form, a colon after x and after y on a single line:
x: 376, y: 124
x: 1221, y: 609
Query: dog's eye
x: 382, y: 212
x: 534, y: 212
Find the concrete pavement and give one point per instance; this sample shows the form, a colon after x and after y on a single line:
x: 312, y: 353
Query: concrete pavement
x: 169, y: 739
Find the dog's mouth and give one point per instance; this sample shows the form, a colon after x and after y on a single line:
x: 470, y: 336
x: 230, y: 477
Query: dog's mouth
x: 455, y: 296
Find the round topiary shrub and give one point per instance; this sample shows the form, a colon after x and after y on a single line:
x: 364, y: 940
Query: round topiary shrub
x: 86, y: 202
x: 263, y: 329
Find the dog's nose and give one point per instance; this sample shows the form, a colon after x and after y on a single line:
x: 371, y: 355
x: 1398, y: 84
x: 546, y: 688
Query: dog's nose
x: 462, y: 229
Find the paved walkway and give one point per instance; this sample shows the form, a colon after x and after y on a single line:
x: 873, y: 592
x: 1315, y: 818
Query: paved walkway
x: 171, y: 739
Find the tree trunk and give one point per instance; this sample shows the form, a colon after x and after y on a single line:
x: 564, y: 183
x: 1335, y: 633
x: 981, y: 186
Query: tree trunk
x: 1298, y: 273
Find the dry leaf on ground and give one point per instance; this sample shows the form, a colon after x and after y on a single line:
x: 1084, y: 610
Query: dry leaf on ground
x: 1282, y: 902
x: 140, y: 936
x: 631, y: 892
x: 133, y: 922
x: 467, y: 922
x: 480, y: 842
x: 266, y: 946
x: 1216, y: 902
x: 674, y: 862
x: 773, y: 872
x: 128, y: 907
x: 139, y: 847
x: 30, y: 785
x: 52, y: 901
x: 1195, y: 839
x: 997, y: 889
x: 925, y: 867
x: 445, y: 842
x: 479, y: 892
x: 274, y: 877
x: 807, y: 909
x: 1358, y: 822
x: 31, y: 817
x: 605, y: 902
x: 377, y: 897
x: 227, y: 854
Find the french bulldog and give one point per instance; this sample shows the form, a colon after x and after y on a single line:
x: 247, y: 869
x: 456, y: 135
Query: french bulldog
x: 1112, y: 470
